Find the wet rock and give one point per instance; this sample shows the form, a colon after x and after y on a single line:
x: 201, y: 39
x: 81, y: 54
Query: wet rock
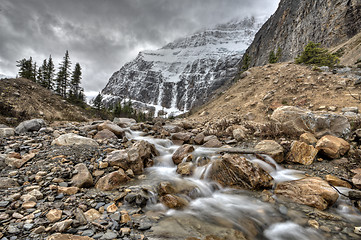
x: 311, y: 191
x: 308, y: 138
x: 54, y: 215
x: 302, y: 153
x: 92, y: 215
x: 173, y: 201
x: 165, y: 188
x: 298, y: 121
x: 58, y: 236
x: 83, y: 178
x: 337, y: 182
x: 237, y: 172
x: 74, y: 139
x: 140, y: 156
x: 271, y: 148
x: 118, y: 131
x: 185, y: 168
x: 332, y: 147
x: 181, y: 137
x: 105, y: 134
x: 6, y: 183
x: 30, y: 126
x: 199, y: 138
x: 7, y: 132
x: 124, y: 122
x: 112, y: 180
x: 138, y: 198
x: 61, y: 226
x: 181, y: 153
x: 118, y: 158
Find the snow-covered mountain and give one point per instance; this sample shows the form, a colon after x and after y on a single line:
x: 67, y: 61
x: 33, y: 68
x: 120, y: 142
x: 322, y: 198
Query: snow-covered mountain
x: 186, y: 72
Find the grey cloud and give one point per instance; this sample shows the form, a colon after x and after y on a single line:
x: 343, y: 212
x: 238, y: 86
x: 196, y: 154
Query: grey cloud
x: 103, y: 35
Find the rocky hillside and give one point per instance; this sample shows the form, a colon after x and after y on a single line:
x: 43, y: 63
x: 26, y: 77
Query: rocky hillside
x: 262, y: 89
x: 296, y: 22
x: 22, y: 99
x: 184, y: 73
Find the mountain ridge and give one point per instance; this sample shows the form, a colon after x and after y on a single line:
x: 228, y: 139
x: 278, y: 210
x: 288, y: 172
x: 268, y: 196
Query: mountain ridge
x: 186, y: 72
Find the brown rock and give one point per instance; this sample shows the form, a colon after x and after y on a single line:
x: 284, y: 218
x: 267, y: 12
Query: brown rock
x: 335, y: 181
x: 15, y: 162
x: 212, y: 143
x: 92, y: 215
x: 185, y: 168
x: 118, y: 131
x: 68, y: 190
x: 311, y: 191
x: 308, y: 138
x: 118, y: 158
x: 6, y: 182
x: 165, y: 188
x: 105, y: 134
x: 332, y: 147
x: 302, y: 153
x: 199, y: 138
x: 237, y: 172
x: 140, y: 156
x: 59, y: 236
x: 125, y: 218
x: 238, y: 134
x: 183, y: 137
x: 83, y: 178
x: 29, y: 204
x: 174, y: 201
x: 112, y: 208
x: 54, y: 215
x: 181, y: 153
x: 62, y: 226
x: 356, y: 180
x: 271, y: 148
x: 112, y: 180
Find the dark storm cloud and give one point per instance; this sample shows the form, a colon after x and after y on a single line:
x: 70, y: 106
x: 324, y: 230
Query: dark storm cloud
x: 104, y: 34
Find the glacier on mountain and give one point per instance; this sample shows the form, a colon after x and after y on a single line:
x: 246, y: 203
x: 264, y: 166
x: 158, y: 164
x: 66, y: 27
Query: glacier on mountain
x: 185, y: 73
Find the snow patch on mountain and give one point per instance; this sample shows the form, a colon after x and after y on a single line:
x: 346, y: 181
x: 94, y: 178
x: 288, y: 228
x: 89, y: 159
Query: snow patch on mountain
x: 186, y: 72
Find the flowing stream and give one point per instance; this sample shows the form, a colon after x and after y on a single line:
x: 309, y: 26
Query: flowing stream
x: 229, y: 208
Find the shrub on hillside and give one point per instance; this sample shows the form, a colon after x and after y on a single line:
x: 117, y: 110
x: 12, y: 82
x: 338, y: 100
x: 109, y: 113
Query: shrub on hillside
x: 315, y: 55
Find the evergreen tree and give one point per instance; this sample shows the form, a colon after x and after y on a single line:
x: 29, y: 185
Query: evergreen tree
x: 246, y: 61
x: 272, y: 57
x: 98, y: 101
x: 63, y: 76
x: 49, y: 72
x: 314, y: 54
x: 42, y: 74
x: 26, y: 68
x: 75, y: 89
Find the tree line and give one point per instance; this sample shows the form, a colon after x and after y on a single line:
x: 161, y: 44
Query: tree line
x: 65, y: 82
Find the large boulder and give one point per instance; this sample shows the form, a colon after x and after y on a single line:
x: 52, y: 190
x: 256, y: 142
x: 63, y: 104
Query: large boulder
x: 237, y: 172
x: 118, y: 131
x: 83, y: 178
x: 136, y: 158
x: 298, y: 121
x: 272, y: 148
x: 173, y: 201
x: 105, y: 134
x: 332, y: 147
x: 181, y: 137
x: 311, y: 191
x: 124, y: 122
x: 302, y: 153
x: 181, y: 153
x: 74, y: 139
x: 112, y: 180
x: 30, y: 126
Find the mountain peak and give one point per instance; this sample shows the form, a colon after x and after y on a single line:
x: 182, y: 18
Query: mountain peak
x: 186, y: 72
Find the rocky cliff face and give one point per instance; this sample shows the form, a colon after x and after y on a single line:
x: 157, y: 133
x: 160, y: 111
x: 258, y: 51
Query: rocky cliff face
x: 296, y: 22
x: 184, y: 73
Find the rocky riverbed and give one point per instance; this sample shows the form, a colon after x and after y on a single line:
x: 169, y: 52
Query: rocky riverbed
x: 179, y: 180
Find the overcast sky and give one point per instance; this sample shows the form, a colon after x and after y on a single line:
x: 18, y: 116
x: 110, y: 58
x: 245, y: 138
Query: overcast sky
x: 102, y: 35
